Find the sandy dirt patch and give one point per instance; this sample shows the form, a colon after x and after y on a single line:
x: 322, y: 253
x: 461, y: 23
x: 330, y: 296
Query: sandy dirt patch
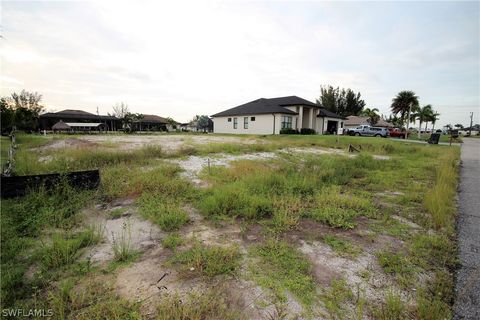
x: 131, y: 142
x: 328, y: 264
x: 140, y: 234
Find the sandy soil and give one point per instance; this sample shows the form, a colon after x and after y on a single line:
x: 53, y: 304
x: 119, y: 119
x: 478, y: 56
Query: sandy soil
x: 131, y: 142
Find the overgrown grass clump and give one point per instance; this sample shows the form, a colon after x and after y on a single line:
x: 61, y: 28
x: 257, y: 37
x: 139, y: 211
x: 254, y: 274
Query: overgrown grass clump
x: 23, y: 221
x: 166, y: 213
x: 439, y: 201
x: 282, y: 268
x: 285, y: 191
x: 172, y: 241
x: 93, y: 299
x: 208, y: 261
x: 65, y: 249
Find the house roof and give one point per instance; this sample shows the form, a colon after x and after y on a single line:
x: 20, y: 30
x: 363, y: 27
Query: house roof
x: 75, y: 114
x: 264, y: 106
x: 359, y: 120
x: 326, y: 113
x: 153, y: 118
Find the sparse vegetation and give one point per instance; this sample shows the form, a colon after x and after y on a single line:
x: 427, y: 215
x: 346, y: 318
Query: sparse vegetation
x: 334, y: 298
x: 122, y: 244
x: 282, y: 268
x: 342, y: 199
x: 208, y: 261
x: 212, y: 304
x: 172, y: 241
x: 342, y: 246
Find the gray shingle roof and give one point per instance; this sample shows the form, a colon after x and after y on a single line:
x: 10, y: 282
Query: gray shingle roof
x: 264, y: 106
x: 326, y: 113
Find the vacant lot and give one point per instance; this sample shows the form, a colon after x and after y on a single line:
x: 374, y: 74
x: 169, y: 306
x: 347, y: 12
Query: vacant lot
x: 228, y: 227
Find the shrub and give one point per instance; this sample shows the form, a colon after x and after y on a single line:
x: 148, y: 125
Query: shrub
x: 307, y: 131
x: 288, y: 131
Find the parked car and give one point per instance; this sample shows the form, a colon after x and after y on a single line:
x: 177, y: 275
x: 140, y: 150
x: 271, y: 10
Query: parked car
x: 397, y: 133
x: 369, y: 131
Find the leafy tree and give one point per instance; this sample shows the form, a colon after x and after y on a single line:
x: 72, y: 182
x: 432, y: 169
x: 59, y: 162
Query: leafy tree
x: 21, y: 111
x: 201, y: 122
x: 172, y: 123
x: 394, y: 120
x: 122, y: 112
x: 128, y: 121
x: 372, y: 115
x: 404, y: 104
x: 7, y: 114
x: 340, y: 101
x: 353, y: 104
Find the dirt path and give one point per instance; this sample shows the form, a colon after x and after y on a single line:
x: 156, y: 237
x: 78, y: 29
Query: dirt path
x: 467, y: 304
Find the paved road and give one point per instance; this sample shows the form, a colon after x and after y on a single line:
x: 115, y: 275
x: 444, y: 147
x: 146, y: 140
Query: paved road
x: 467, y: 304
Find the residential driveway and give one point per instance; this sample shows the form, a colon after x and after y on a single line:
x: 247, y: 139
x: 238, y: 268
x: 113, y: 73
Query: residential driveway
x: 467, y: 304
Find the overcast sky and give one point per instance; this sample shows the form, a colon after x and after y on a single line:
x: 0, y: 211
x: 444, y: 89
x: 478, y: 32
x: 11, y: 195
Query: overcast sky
x: 179, y: 59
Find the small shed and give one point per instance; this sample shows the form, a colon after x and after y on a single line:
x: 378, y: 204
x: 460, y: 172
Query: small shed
x: 61, y: 126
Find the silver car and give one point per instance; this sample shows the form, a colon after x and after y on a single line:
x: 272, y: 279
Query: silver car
x: 368, y: 131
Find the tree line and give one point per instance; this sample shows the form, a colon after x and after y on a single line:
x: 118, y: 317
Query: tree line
x: 405, y: 107
x: 21, y: 111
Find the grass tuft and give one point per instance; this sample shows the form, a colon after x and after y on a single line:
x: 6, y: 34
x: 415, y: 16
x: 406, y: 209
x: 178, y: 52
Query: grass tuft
x: 208, y: 261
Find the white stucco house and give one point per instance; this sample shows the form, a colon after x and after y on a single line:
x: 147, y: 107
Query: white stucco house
x: 269, y: 116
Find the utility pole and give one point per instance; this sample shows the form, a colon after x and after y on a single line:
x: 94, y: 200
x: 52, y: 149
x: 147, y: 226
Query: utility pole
x: 471, y: 124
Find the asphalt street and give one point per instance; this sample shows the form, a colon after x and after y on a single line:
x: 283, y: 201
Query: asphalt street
x: 467, y: 288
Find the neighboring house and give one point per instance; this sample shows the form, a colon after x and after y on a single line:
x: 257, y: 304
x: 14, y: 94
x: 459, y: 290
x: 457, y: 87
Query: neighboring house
x: 151, y: 122
x: 78, y: 126
x: 269, y: 116
x: 355, y: 121
x: 47, y: 120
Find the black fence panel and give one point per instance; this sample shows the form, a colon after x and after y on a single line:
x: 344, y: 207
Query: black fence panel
x: 18, y: 186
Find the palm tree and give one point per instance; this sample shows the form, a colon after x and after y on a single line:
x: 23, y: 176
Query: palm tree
x: 423, y: 115
x: 372, y: 115
x: 433, y: 119
x: 404, y: 103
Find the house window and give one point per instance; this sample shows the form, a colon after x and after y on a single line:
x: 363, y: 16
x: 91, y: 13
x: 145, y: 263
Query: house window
x: 245, y: 123
x: 286, y: 122
x: 229, y: 120
x: 235, y: 123
x: 252, y: 118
